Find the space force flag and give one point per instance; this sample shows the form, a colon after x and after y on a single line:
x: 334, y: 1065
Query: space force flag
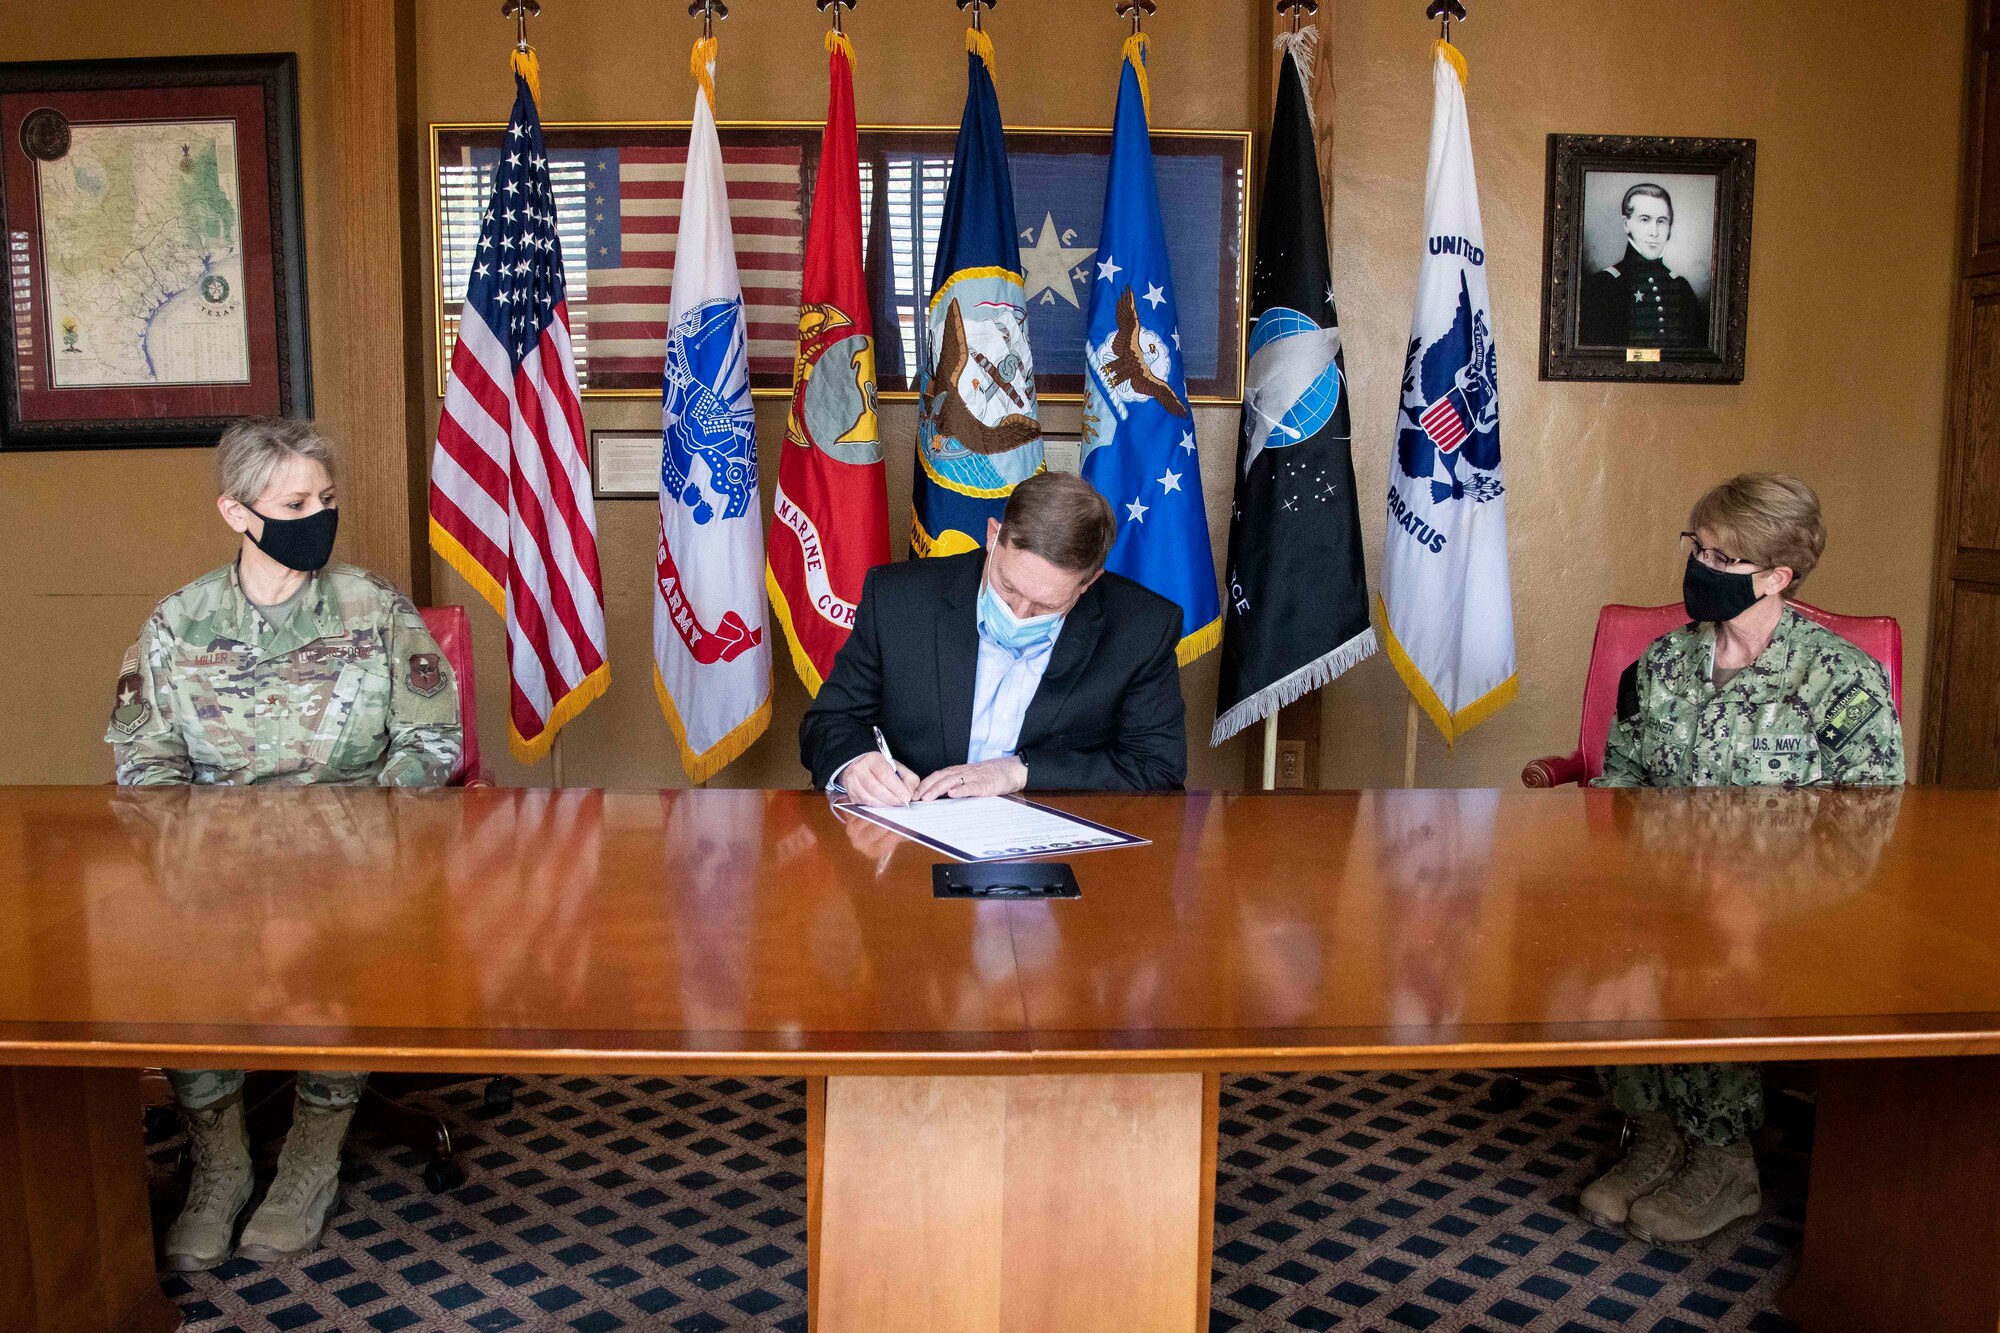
x: 978, y: 432
x: 510, y: 498
x: 713, y: 665
x: 1295, y: 614
x: 830, y: 520
x: 1138, y: 433
x: 1447, y: 606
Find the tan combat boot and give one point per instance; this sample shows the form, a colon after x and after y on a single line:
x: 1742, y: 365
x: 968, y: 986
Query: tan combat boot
x: 1715, y: 1188
x: 220, y: 1186
x: 289, y: 1221
x: 1657, y: 1152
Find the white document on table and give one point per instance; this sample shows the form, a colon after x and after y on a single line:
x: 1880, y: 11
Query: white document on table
x: 994, y: 828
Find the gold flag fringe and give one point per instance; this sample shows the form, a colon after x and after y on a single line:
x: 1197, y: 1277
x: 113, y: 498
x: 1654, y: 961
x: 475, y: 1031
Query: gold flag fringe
x: 528, y: 67
x: 837, y: 44
x: 1456, y: 57
x: 1204, y: 640
x: 981, y: 45
x: 1135, y: 53
x: 701, y: 767
x: 702, y: 65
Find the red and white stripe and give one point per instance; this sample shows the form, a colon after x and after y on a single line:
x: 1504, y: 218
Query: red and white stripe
x: 626, y: 316
x: 510, y: 486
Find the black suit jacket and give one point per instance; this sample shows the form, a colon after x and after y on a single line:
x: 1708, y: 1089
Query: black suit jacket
x: 1107, y: 716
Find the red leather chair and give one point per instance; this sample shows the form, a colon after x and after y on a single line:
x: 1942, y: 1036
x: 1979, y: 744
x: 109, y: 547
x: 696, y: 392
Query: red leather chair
x: 452, y: 629
x: 1623, y: 633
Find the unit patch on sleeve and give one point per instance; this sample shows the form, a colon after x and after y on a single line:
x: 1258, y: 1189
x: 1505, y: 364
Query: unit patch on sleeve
x: 426, y: 674
x: 131, y: 711
x: 1848, y: 716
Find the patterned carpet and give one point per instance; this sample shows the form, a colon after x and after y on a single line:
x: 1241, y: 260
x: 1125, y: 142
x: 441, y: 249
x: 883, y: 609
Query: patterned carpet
x: 1383, y: 1202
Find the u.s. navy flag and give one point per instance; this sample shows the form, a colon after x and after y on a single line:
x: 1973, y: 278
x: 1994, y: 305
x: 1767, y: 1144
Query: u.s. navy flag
x: 979, y: 432
x: 712, y: 660
x: 1296, y: 611
x: 1448, y: 607
x: 1138, y: 433
x: 510, y: 498
x: 830, y: 520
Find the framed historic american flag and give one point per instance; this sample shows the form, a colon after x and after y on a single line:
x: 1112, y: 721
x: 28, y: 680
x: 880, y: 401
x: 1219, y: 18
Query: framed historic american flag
x: 154, y: 250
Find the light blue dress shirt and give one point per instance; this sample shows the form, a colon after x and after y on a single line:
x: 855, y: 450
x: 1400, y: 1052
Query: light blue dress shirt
x: 1002, y: 688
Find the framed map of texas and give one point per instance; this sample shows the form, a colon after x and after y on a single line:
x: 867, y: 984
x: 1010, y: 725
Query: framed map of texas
x: 155, y: 263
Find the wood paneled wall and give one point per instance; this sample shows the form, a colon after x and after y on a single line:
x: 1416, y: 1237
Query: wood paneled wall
x: 1963, y: 725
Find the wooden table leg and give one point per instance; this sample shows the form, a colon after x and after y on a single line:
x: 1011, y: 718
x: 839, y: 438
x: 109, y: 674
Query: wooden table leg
x: 76, y: 1232
x: 1903, y: 1212
x: 1019, y: 1204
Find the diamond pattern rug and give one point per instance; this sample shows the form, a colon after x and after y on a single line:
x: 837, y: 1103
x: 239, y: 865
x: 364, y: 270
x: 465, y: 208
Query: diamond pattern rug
x: 1377, y: 1203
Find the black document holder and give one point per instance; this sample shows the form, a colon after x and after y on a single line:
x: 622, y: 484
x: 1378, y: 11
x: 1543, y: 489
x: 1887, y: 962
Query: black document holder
x: 1009, y: 881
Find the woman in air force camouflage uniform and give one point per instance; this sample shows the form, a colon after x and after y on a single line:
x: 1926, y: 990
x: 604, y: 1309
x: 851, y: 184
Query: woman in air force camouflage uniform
x: 1751, y: 693
x: 278, y: 668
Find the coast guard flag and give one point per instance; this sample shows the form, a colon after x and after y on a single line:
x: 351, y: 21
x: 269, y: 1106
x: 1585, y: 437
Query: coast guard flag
x: 978, y: 432
x: 1447, y: 606
x: 830, y: 521
x: 1138, y: 433
x: 713, y: 665
x: 1296, y: 608
x: 510, y: 498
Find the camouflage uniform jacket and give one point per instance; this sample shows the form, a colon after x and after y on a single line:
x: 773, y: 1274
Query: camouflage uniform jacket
x: 1812, y: 710
x: 353, y: 689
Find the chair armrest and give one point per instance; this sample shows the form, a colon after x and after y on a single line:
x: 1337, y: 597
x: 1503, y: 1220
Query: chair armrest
x: 1556, y: 770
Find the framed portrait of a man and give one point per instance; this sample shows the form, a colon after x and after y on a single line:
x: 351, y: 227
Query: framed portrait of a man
x: 1647, y: 258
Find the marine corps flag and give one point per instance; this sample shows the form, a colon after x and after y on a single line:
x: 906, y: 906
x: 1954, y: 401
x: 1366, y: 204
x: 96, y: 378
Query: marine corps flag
x: 830, y: 519
x: 1295, y: 615
x: 978, y: 433
x: 713, y: 665
x: 1138, y: 432
x: 1447, y: 605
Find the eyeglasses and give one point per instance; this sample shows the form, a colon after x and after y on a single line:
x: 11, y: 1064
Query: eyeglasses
x: 1711, y: 556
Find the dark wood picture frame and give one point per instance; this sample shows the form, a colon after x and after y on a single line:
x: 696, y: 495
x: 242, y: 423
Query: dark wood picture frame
x: 259, y: 95
x: 1571, y: 159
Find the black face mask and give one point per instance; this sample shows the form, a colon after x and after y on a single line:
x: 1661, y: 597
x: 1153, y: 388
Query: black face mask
x: 1713, y: 596
x: 304, y: 544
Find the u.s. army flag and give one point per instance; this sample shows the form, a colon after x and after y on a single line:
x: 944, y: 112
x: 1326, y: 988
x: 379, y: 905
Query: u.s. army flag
x: 712, y: 658
x: 1447, y: 605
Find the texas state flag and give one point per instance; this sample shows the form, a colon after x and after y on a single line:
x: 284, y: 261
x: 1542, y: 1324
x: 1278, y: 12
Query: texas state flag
x: 1138, y: 433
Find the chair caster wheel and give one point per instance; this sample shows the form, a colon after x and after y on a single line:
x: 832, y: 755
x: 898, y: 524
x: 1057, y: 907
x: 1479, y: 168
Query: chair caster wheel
x: 442, y: 1175
x: 1507, y: 1094
x: 500, y: 1095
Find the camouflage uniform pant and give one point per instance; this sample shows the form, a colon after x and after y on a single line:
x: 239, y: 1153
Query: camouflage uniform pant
x: 1712, y: 1104
x: 197, y: 1089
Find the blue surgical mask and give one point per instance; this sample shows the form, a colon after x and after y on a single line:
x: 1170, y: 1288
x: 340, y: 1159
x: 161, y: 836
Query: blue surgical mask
x: 999, y: 623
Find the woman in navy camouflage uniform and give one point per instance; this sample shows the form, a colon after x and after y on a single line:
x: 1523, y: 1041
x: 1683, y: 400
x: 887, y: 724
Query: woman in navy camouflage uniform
x: 278, y: 668
x: 1750, y: 693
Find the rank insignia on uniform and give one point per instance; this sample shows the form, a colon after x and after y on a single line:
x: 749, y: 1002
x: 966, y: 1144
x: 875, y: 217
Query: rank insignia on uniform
x: 131, y: 711
x: 1847, y: 717
x: 426, y: 674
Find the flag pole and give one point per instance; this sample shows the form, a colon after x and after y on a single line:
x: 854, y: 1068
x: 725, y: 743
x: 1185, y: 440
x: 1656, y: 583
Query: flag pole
x: 1271, y: 751
x: 1410, y: 744
x: 1444, y: 11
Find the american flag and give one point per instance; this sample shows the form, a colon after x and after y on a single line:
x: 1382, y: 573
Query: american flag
x: 511, y: 505
x: 1447, y: 422
x: 633, y: 224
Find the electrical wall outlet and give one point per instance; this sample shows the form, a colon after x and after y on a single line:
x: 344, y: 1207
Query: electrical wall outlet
x: 1291, y: 764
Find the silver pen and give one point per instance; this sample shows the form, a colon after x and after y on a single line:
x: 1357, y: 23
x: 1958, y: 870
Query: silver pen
x: 882, y: 748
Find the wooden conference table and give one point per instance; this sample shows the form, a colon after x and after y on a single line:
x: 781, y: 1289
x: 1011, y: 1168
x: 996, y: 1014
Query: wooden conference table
x: 1012, y: 1105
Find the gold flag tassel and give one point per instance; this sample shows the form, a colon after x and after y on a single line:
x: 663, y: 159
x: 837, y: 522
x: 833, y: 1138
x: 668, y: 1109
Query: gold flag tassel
x: 702, y: 65
x: 528, y: 67
x: 836, y: 42
x: 1135, y: 55
x: 977, y: 42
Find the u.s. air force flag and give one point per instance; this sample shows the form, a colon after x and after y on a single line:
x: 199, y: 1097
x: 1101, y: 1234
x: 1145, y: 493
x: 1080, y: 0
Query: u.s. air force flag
x: 1448, y: 608
x: 978, y: 432
x: 712, y: 658
x: 1138, y: 434
x: 1296, y: 612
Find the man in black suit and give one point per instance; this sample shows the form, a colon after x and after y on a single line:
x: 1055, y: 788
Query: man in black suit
x: 1024, y: 665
